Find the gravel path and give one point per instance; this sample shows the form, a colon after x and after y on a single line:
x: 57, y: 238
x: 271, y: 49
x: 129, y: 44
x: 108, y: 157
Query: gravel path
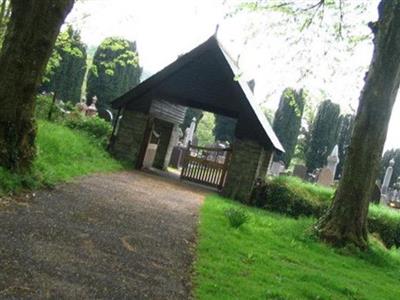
x: 127, y: 235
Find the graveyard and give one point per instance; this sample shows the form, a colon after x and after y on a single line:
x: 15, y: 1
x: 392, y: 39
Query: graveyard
x: 199, y: 149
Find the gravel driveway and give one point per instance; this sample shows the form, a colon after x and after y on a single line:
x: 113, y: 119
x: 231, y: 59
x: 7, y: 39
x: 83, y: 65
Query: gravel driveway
x: 127, y: 235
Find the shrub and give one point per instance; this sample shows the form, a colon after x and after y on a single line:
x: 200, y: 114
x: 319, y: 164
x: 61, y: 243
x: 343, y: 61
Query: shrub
x: 386, y: 222
x: 94, y: 126
x: 236, y: 217
x: 291, y: 196
x: 43, y: 106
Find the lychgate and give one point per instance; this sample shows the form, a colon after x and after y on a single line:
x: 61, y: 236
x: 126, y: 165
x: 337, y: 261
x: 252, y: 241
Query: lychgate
x: 205, y: 78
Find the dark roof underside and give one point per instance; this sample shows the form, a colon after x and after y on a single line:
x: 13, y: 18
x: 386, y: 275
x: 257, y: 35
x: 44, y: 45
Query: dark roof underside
x: 205, y: 78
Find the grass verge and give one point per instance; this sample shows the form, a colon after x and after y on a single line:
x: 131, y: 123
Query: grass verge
x: 62, y: 153
x: 273, y: 257
x: 294, y: 197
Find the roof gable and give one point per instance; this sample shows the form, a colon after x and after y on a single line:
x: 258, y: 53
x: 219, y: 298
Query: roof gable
x: 206, y: 78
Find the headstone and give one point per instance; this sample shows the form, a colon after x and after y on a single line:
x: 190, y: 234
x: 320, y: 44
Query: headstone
x: 276, y: 168
x: 81, y: 107
x: 189, y: 133
x: 388, y: 177
x: 195, y: 140
x: 376, y: 194
x: 325, y: 177
x: 333, y: 160
x: 186, y: 137
x: 92, y: 109
x: 313, y: 177
x: 394, y: 195
x: 300, y: 171
x: 384, y: 199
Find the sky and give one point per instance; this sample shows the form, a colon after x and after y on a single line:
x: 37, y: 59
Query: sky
x: 165, y: 29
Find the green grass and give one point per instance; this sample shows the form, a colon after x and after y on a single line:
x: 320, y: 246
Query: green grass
x: 294, y: 197
x: 62, y: 154
x: 274, y: 257
x: 388, y: 213
x: 305, y: 189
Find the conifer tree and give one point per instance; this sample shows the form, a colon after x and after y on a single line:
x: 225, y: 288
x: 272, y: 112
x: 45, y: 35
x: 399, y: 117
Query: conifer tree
x: 115, y: 70
x: 323, y: 135
x: 224, y: 129
x: 66, y: 68
x: 287, y: 122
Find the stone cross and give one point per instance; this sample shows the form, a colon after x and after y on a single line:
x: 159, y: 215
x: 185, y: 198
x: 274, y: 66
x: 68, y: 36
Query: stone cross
x: 388, y: 177
x: 333, y: 160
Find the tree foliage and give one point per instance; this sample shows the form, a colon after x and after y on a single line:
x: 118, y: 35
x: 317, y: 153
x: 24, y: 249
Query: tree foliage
x: 224, y: 129
x: 389, y: 155
x: 323, y: 135
x: 115, y: 70
x: 66, y: 68
x: 324, y: 36
x: 346, y: 124
x: 304, y: 138
x: 287, y: 121
x: 204, y: 131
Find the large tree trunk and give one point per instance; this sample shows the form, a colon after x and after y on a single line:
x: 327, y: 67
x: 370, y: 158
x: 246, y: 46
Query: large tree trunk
x: 4, y: 15
x: 30, y: 37
x: 4, y: 9
x: 346, y: 220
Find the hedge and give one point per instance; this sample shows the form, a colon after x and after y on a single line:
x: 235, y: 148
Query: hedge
x: 294, y: 197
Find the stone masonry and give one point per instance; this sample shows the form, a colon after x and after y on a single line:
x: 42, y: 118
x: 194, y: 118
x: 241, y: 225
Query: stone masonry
x: 130, y: 135
x: 249, y: 161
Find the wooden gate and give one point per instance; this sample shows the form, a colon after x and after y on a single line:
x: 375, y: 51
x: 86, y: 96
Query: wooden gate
x: 206, y: 165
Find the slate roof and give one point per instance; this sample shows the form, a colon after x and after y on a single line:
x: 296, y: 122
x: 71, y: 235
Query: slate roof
x: 206, y: 78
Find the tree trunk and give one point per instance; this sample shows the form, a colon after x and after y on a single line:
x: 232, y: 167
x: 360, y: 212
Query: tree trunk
x: 2, y: 12
x: 346, y: 220
x: 4, y: 15
x: 31, y: 33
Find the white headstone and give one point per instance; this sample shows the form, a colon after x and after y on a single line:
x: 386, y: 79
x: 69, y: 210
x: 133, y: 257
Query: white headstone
x: 192, y: 129
x: 276, y: 168
x: 333, y: 160
x: 186, y: 137
x: 384, y: 199
x: 388, y: 177
x: 189, y: 133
